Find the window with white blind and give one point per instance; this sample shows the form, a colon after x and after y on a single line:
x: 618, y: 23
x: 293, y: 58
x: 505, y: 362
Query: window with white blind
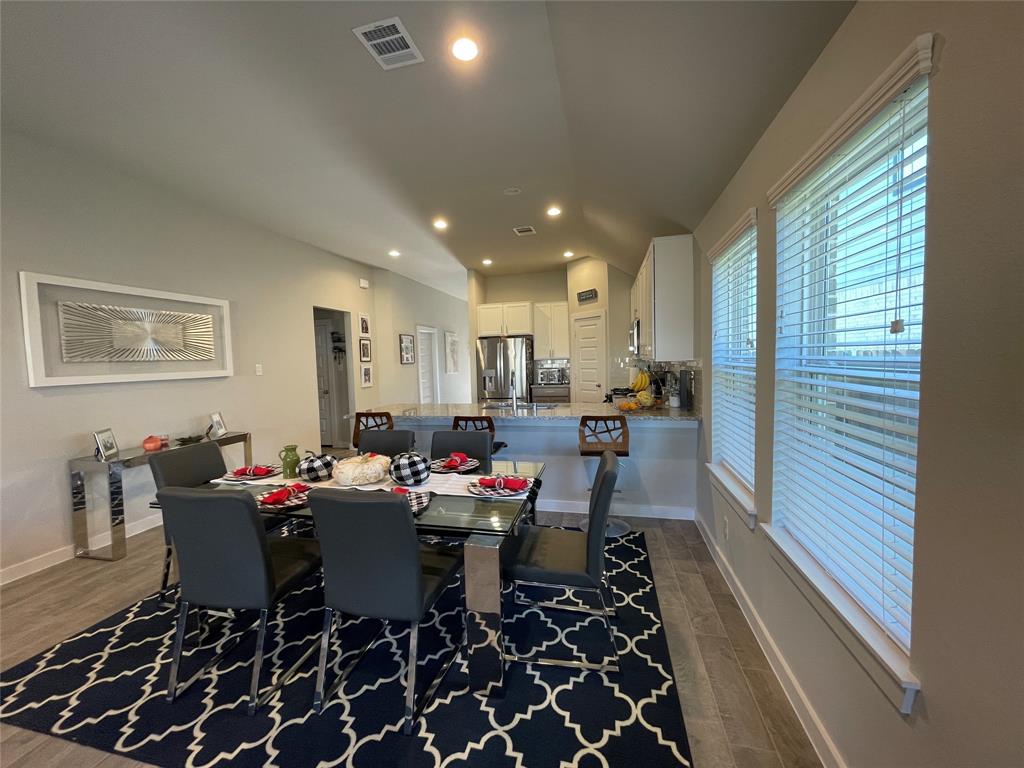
x: 733, y: 354
x: 851, y: 250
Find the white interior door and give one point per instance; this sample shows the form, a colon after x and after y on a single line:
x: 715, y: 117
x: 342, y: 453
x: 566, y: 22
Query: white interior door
x: 589, y: 358
x: 322, y: 334
x: 426, y: 359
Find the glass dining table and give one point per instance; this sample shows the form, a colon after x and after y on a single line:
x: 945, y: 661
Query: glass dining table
x: 488, y: 527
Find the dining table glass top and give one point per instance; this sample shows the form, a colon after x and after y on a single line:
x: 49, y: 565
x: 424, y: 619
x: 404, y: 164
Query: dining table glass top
x: 461, y: 515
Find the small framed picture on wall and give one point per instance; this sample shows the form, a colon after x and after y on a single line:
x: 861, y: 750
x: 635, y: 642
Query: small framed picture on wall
x: 364, y: 351
x: 364, y: 325
x: 365, y: 376
x: 406, y: 349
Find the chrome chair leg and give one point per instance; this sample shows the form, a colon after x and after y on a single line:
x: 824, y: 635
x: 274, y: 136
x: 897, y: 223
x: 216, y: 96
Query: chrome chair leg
x: 604, y: 610
x: 179, y: 640
x: 257, y: 664
x: 321, y: 670
x: 325, y: 640
x: 410, y: 679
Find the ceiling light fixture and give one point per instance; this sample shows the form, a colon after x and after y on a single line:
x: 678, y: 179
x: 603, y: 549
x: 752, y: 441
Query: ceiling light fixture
x: 394, y: 254
x: 554, y: 211
x: 440, y: 223
x: 487, y: 262
x: 568, y: 254
x: 464, y: 49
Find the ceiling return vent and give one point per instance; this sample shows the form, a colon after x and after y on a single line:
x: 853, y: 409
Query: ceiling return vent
x: 389, y: 43
x: 524, y: 231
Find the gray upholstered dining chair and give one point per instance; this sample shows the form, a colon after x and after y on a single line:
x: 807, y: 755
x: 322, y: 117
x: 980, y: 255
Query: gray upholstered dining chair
x: 476, y: 445
x: 375, y: 567
x: 571, y: 560
x: 390, y: 442
x: 192, y: 466
x: 227, y: 562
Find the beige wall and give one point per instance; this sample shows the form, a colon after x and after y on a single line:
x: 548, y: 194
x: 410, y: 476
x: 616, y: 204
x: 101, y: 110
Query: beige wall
x: 968, y: 598
x: 401, y: 304
x: 64, y: 214
x: 532, y: 286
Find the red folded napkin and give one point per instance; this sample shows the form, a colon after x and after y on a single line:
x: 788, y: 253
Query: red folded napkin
x: 256, y: 470
x: 455, y: 460
x: 282, y: 495
x: 402, y: 491
x: 507, y: 483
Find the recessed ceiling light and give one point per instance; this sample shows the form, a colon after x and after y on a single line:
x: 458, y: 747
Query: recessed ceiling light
x: 554, y: 210
x: 440, y: 223
x: 487, y: 262
x: 464, y: 49
x: 568, y: 254
x: 394, y: 254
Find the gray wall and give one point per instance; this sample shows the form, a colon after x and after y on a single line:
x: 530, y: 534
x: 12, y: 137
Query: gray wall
x: 968, y: 600
x: 68, y: 215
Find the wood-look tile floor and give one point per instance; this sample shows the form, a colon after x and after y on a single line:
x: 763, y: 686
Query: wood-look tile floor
x: 736, y: 713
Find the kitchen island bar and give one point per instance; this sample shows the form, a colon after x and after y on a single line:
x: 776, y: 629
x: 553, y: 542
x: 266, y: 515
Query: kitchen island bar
x: 658, y: 478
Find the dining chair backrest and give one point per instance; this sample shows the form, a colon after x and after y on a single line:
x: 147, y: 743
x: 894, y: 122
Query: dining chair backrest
x: 598, y: 434
x: 223, y: 558
x: 472, y: 424
x: 387, y: 442
x: 600, y: 504
x: 476, y: 445
x: 371, y: 553
x: 187, y: 467
x: 366, y: 421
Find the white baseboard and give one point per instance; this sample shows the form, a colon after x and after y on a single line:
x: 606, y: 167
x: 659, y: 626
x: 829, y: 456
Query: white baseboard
x: 36, y: 564
x: 827, y: 751
x: 42, y: 562
x: 619, y: 509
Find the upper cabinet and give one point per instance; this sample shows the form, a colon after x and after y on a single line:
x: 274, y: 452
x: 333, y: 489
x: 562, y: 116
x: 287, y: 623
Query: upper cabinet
x: 513, y: 319
x: 662, y: 300
x: 551, y: 330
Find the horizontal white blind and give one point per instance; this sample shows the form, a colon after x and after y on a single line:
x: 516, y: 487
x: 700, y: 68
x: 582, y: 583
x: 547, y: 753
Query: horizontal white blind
x: 848, y: 358
x: 733, y: 354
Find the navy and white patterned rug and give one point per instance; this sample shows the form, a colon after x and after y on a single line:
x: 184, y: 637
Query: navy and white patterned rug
x: 105, y: 688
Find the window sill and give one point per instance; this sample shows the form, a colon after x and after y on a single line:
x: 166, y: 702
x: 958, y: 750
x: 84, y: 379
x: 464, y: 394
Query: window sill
x: 880, y: 656
x: 736, y: 492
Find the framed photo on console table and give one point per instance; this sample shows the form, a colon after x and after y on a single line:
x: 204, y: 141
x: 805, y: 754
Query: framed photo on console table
x: 88, y: 332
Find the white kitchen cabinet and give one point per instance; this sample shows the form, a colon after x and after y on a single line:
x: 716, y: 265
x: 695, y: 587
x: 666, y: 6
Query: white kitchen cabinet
x: 551, y: 330
x: 490, y: 320
x: 662, y: 300
x: 512, y: 319
x: 518, y: 318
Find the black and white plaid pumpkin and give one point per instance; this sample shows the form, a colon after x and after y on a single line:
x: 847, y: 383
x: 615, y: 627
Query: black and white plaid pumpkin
x: 410, y: 469
x: 315, y: 468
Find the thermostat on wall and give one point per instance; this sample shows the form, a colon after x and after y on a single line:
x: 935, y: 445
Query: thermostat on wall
x: 364, y: 283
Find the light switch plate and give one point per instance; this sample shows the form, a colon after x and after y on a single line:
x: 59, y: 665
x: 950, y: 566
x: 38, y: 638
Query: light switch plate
x: 259, y: 369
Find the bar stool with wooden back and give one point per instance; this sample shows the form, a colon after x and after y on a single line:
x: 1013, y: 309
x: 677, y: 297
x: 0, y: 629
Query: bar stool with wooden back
x: 598, y: 434
x: 476, y: 424
x: 366, y: 420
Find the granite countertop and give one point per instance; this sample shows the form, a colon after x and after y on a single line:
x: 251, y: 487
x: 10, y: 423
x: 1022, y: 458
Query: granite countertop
x: 558, y: 411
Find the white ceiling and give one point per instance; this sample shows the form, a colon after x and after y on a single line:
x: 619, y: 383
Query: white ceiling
x: 631, y: 116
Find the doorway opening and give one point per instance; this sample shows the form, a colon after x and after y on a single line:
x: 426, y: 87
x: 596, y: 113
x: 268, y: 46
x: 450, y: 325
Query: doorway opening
x: 426, y: 361
x: 333, y: 377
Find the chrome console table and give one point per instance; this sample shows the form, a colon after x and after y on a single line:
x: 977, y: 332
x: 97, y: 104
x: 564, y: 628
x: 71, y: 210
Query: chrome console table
x: 114, y: 468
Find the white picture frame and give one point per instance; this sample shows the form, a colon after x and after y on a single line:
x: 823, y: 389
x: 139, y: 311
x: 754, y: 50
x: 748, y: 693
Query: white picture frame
x: 106, y: 444
x: 366, y: 375
x: 32, y: 326
x: 217, y: 426
x: 451, y: 352
x: 364, y: 325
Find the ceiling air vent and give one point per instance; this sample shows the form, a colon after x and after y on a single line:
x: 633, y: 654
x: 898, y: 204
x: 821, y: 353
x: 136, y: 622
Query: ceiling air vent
x: 389, y: 43
x: 524, y: 231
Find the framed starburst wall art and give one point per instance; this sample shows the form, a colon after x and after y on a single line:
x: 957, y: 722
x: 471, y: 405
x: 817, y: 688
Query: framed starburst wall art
x: 87, y: 332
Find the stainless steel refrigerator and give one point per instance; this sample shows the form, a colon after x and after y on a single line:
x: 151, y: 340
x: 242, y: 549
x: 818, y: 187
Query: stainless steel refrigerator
x: 502, y: 360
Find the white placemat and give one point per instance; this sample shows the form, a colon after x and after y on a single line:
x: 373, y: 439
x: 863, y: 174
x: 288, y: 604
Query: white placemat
x: 443, y: 485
